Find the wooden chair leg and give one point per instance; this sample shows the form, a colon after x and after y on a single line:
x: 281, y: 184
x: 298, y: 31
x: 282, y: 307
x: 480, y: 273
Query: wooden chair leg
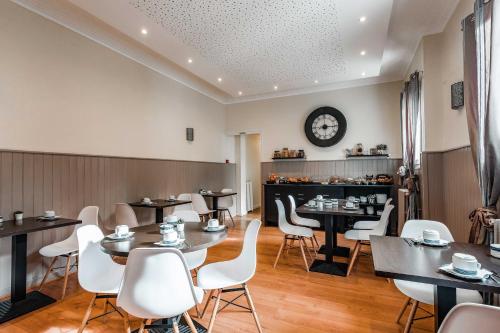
x: 403, y: 309
x: 279, y: 252
x: 175, y: 326
x: 141, y: 329
x: 250, y: 303
x: 207, y: 303
x: 313, y: 246
x: 409, y: 322
x: 304, y: 256
x: 214, y: 313
x: 66, y: 275
x: 190, y: 322
x: 290, y: 246
x: 303, y: 240
x: 354, y: 256
x: 86, y: 316
x: 316, y: 241
x: 126, y: 321
x: 48, y: 272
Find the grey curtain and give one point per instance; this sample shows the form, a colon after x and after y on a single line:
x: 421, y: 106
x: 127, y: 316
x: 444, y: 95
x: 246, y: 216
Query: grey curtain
x: 482, y: 100
x: 410, y: 115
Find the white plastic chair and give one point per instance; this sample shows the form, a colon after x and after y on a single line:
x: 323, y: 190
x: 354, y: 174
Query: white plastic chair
x: 124, y: 214
x: 421, y: 292
x: 197, y: 258
x: 302, y: 221
x: 361, y: 235
x: 184, y: 197
x: 69, y: 247
x: 200, y: 206
x: 157, y: 284
x: 292, y: 233
x: 219, y: 276
x: 98, y: 273
x: 370, y: 224
x: 470, y: 317
x: 225, y: 204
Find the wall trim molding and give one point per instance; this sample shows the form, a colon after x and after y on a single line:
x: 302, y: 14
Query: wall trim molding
x: 446, y: 150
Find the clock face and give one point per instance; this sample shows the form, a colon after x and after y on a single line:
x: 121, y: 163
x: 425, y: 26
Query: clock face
x: 325, y: 126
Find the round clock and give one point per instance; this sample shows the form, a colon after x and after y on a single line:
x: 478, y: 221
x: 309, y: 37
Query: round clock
x: 325, y: 126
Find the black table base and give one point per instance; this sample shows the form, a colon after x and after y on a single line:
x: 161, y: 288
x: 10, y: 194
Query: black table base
x: 339, y: 251
x: 33, y: 301
x: 332, y: 268
x: 445, y: 298
x: 167, y: 326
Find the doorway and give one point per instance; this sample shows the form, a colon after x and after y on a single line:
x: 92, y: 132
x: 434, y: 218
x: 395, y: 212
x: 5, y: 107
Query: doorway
x: 248, y: 177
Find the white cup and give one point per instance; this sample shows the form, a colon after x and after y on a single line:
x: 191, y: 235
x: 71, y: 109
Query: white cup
x: 171, y: 197
x: 319, y: 197
x: 495, y: 250
x: 209, y: 192
x: 170, y: 235
x: 18, y: 216
x: 370, y: 210
x: 465, y: 263
x: 213, y: 223
x: 49, y: 214
x: 311, y: 203
x: 431, y: 236
x: 335, y: 202
x: 146, y: 200
x: 320, y: 205
x: 171, y: 219
x: 349, y: 204
x: 121, y: 230
x: 351, y: 198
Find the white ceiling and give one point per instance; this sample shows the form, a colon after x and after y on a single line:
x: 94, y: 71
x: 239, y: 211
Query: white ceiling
x: 255, y: 45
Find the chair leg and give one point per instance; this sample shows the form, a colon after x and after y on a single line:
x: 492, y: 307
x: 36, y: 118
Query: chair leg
x: 87, y: 314
x: 231, y: 217
x: 316, y: 241
x: 303, y: 240
x: 66, y: 275
x: 250, y: 303
x: 190, y: 322
x: 290, y: 246
x: 304, y: 256
x: 409, y: 322
x: 175, y: 326
x: 403, y: 309
x: 207, y: 303
x: 47, y: 273
x: 126, y: 321
x: 141, y: 329
x: 354, y: 256
x: 279, y: 252
x: 214, y: 313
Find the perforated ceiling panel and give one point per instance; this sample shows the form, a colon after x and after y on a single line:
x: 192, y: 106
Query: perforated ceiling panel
x: 295, y: 39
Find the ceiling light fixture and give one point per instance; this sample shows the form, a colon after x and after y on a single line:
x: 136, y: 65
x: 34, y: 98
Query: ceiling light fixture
x: 362, y: 19
x: 240, y: 93
x: 219, y: 79
x: 316, y: 81
x: 190, y: 60
x: 144, y: 31
x: 362, y: 52
x: 363, y: 74
x: 275, y: 87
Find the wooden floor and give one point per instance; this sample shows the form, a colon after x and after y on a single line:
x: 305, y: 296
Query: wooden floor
x: 288, y: 299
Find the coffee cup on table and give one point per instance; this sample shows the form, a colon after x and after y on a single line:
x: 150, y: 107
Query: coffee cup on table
x: 169, y: 233
x: 319, y: 197
x: 171, y: 219
x: 320, y: 205
x: 146, y: 200
x: 431, y: 236
x: 465, y: 264
x: 171, y: 197
x: 121, y: 230
x: 349, y: 204
x: 311, y: 203
x: 495, y: 250
x: 213, y: 223
x: 335, y: 202
x: 49, y: 214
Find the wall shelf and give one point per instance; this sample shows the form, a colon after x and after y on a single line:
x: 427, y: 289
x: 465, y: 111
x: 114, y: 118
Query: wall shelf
x: 374, y: 157
x: 289, y: 159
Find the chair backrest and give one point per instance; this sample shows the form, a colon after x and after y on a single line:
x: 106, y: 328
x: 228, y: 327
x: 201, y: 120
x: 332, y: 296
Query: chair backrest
x: 283, y: 224
x: 381, y: 228
x: 414, y: 228
x: 199, y: 203
x: 388, y: 202
x: 188, y: 215
x: 89, y: 216
x: 124, y: 214
x: 246, y: 263
x: 156, y: 284
x: 185, y: 197
x: 93, y: 263
x: 471, y: 317
x: 226, y: 202
x: 293, y: 213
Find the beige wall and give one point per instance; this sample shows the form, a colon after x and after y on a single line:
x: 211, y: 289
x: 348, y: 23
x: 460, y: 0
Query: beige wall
x: 372, y: 114
x: 62, y: 92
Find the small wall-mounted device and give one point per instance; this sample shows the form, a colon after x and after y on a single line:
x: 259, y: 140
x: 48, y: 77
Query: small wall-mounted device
x: 190, y: 134
x: 457, y: 95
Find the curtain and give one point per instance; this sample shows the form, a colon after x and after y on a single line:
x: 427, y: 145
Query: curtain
x: 482, y: 99
x: 410, y: 118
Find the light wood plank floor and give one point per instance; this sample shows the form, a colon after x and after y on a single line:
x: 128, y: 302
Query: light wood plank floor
x: 288, y: 299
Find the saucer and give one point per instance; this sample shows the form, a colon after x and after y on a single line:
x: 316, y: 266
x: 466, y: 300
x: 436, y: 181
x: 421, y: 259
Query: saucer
x: 45, y: 218
x: 116, y: 237
x: 178, y: 242
x: 481, y: 274
x: 147, y: 203
x: 350, y: 208
x: 440, y: 243
x: 212, y: 229
x: 310, y: 206
x: 171, y: 200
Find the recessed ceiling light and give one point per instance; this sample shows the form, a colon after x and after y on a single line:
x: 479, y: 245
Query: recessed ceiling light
x: 240, y: 93
x: 362, y: 52
x: 190, y: 60
x: 316, y: 81
x: 219, y: 79
x: 362, y: 19
x: 275, y: 87
x: 363, y: 74
x: 144, y: 31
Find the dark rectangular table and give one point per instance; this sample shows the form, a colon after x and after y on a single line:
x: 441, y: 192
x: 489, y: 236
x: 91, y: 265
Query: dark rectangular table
x: 158, y: 205
x: 215, y: 200
x: 394, y: 258
x: 20, y: 302
x: 330, y: 216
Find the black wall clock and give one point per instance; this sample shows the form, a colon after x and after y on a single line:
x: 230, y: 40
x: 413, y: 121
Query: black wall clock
x: 325, y: 126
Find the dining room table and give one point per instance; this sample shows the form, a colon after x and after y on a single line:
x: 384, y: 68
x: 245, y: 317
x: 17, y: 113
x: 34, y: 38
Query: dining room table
x: 158, y: 205
x: 330, y: 216
x: 215, y: 200
x: 403, y: 259
x: 22, y: 302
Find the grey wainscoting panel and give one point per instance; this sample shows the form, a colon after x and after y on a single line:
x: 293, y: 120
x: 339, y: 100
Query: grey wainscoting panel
x: 35, y: 182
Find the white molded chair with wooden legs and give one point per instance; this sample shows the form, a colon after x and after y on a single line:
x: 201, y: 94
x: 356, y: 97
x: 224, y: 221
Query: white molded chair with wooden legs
x: 421, y: 292
x: 200, y: 206
x: 124, y: 214
x: 98, y: 273
x: 362, y: 235
x: 224, y: 205
x: 292, y: 233
x: 370, y: 224
x: 156, y: 285
x: 184, y: 197
x: 471, y: 317
x: 302, y: 221
x: 222, y: 277
x: 68, y: 248
x: 197, y: 258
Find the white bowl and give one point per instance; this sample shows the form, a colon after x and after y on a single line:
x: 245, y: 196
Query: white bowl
x: 495, y: 250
